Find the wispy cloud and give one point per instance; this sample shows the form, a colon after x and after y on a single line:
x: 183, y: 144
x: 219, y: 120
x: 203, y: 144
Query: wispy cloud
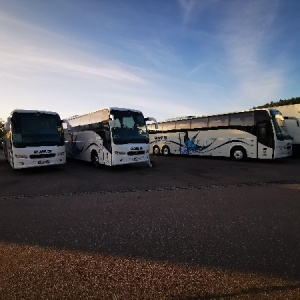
x: 192, y: 8
x: 159, y: 54
x: 26, y: 48
x: 28, y: 52
x: 246, y: 36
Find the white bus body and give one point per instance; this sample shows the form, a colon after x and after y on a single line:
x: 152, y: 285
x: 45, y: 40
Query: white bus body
x: 291, y: 115
x: 110, y: 136
x: 33, y: 139
x: 253, y: 134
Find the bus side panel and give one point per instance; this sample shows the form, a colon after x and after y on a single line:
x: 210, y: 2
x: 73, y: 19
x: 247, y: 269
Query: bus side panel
x: 264, y: 152
x: 7, y: 147
x: 172, y: 140
x: 81, y: 145
x: 219, y: 142
x: 154, y: 141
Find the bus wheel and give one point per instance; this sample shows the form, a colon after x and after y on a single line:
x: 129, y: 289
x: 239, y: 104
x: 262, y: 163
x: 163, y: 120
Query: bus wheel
x: 95, y: 159
x: 238, y: 154
x: 165, y: 150
x: 156, y: 150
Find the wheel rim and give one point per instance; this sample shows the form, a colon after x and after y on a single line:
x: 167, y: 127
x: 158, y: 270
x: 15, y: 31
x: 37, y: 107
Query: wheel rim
x: 238, y: 155
x: 95, y: 160
x: 166, y: 151
x: 156, y: 150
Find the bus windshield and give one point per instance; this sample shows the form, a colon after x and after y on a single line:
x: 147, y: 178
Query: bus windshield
x: 129, y: 127
x: 279, y: 125
x: 36, y: 129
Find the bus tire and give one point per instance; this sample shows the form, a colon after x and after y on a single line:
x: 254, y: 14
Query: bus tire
x: 156, y: 150
x: 238, y: 153
x: 165, y: 150
x: 95, y: 159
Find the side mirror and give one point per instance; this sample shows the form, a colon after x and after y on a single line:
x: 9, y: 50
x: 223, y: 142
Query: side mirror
x: 7, y: 124
x: 69, y: 127
x: 152, y: 119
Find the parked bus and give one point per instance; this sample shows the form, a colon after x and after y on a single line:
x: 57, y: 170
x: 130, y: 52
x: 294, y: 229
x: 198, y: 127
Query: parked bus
x: 34, y: 138
x: 291, y: 114
x: 257, y: 133
x: 110, y: 136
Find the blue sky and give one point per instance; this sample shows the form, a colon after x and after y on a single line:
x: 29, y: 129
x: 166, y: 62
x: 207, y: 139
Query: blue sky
x: 168, y: 58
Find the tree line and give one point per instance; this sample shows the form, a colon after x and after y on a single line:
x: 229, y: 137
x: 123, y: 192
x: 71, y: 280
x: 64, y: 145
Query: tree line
x: 281, y: 102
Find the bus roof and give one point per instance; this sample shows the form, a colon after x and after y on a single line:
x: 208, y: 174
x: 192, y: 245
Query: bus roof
x: 215, y: 115
x: 33, y: 111
x: 104, y: 108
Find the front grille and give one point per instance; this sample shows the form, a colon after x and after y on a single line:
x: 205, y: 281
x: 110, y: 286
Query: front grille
x: 130, y: 153
x: 33, y: 156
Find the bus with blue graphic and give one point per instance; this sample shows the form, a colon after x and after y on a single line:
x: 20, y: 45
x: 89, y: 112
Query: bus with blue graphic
x: 257, y: 133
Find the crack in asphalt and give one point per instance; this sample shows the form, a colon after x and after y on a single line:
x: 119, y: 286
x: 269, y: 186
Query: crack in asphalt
x: 160, y: 189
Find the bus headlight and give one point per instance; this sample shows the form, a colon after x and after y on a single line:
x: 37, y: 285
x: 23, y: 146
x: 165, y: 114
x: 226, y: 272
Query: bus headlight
x: 120, y: 153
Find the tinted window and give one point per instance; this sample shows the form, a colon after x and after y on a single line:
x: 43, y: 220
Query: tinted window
x: 36, y: 129
x: 242, y: 119
x: 199, y: 123
x: 218, y: 121
x: 167, y: 126
x: 261, y: 116
x: 183, y: 124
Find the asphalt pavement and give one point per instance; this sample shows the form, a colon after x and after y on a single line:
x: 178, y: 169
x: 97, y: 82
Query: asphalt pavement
x: 187, y: 228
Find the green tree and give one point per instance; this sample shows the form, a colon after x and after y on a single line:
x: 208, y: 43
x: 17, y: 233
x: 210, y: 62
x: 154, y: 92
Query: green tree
x: 281, y: 102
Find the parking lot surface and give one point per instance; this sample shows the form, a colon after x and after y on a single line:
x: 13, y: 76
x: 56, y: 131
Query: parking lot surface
x: 188, y: 228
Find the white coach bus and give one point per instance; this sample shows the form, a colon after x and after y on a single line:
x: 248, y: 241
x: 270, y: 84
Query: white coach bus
x: 34, y: 138
x: 110, y: 136
x: 257, y: 133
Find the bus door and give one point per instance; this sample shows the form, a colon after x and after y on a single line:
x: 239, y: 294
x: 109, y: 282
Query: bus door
x: 265, y: 140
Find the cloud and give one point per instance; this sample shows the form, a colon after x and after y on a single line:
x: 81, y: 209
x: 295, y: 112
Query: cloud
x: 37, y: 56
x: 28, y: 49
x: 159, y: 54
x: 248, y: 30
x: 192, y: 8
